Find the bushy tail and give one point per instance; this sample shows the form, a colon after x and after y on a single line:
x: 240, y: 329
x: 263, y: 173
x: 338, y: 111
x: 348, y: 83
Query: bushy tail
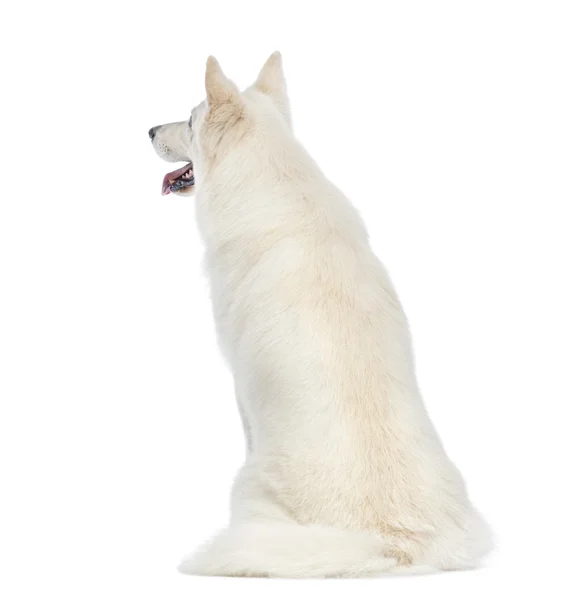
x: 290, y: 551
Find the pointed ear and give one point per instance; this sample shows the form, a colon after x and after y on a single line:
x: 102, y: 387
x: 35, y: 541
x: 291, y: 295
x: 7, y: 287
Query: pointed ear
x: 271, y: 81
x: 219, y: 89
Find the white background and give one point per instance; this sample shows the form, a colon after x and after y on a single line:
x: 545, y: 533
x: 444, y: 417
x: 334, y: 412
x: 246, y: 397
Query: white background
x: 458, y: 129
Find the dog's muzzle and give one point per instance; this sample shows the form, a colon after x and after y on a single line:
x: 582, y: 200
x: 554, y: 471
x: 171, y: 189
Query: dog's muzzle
x: 179, y: 180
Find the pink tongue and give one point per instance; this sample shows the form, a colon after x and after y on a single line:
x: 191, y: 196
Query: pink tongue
x: 171, y: 177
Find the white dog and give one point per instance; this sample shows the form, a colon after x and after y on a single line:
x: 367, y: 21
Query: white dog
x: 345, y: 474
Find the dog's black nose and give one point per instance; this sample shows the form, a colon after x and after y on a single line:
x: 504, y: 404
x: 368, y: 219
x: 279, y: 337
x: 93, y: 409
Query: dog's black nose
x: 152, y: 132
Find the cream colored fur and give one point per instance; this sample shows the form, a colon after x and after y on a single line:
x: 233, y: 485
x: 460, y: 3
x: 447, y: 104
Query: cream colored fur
x: 345, y: 474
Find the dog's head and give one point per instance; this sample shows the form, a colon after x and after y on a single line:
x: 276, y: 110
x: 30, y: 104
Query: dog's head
x: 219, y: 122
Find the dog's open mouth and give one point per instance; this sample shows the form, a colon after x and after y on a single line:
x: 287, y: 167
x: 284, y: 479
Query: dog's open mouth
x: 178, y: 180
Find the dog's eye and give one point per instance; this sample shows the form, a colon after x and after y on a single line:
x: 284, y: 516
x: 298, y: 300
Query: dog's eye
x: 190, y: 123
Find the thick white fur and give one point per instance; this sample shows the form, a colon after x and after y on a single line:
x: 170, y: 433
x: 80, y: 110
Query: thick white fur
x: 345, y: 474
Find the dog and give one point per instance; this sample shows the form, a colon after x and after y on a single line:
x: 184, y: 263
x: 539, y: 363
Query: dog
x: 345, y: 475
